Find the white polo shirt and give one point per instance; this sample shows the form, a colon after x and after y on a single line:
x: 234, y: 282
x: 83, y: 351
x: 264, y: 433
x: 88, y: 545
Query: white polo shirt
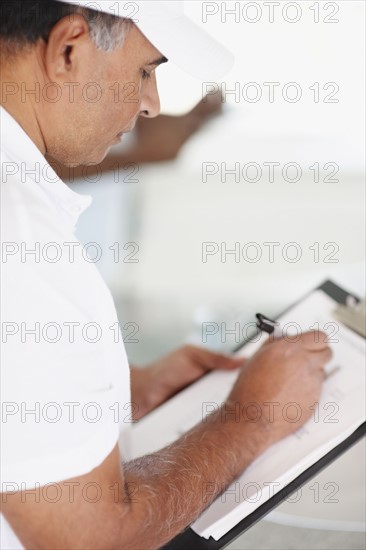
x: 65, y: 384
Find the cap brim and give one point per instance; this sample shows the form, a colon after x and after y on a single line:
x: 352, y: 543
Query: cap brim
x: 189, y: 47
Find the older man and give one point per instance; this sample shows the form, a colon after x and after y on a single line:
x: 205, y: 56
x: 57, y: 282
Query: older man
x: 73, y: 81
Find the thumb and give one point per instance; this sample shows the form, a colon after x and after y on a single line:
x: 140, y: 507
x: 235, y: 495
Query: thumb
x: 233, y: 362
x: 214, y: 360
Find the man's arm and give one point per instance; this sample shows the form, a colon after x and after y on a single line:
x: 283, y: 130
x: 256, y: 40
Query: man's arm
x: 146, y: 502
x: 141, y: 504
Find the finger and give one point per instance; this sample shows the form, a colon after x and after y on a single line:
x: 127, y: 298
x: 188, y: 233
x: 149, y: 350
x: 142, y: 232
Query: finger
x: 318, y: 361
x: 219, y: 361
x: 322, y: 357
x: 314, y: 340
x: 210, y: 360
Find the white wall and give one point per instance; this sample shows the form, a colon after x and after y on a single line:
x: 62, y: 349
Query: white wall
x: 172, y: 211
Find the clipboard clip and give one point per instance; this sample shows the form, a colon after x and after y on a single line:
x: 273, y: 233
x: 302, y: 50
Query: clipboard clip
x: 353, y: 315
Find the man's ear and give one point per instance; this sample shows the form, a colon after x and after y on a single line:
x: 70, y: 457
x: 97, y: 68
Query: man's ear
x: 63, y: 44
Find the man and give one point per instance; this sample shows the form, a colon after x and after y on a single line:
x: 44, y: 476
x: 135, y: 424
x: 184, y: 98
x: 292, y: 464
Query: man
x: 73, y: 81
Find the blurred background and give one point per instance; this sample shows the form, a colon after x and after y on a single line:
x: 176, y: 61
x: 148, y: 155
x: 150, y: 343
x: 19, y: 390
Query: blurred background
x: 282, y: 163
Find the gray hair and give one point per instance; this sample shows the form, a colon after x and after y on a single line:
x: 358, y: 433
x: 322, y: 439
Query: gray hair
x: 108, y: 32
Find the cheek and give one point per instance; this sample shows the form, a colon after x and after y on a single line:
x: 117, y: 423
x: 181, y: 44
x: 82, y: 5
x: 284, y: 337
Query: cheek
x: 95, y: 118
x: 118, y: 107
x: 126, y: 95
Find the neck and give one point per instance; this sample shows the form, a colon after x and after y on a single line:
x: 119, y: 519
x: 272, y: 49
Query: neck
x: 21, y: 95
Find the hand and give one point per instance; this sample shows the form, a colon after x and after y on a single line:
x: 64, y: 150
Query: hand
x: 280, y: 373
x: 153, y: 385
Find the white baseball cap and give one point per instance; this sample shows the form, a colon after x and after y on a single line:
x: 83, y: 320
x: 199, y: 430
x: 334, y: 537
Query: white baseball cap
x: 175, y: 35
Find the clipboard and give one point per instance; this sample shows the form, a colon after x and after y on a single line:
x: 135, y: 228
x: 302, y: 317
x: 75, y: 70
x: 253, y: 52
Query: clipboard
x: 190, y: 540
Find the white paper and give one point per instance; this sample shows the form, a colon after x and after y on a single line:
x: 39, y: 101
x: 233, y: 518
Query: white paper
x: 341, y: 410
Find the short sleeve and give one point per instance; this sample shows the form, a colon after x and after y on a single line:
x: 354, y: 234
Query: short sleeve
x: 64, y: 372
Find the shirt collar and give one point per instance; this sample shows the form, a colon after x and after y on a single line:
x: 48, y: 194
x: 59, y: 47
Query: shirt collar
x: 32, y: 165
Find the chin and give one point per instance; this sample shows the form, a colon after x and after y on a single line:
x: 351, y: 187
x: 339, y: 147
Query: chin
x: 82, y: 159
x: 98, y: 157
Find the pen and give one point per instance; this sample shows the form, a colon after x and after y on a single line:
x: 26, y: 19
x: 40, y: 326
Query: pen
x: 267, y: 325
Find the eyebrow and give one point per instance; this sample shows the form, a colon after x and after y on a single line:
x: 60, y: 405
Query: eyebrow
x: 159, y: 61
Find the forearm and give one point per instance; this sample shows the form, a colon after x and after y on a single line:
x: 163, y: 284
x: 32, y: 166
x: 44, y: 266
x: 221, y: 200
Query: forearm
x: 147, y: 392
x: 142, y: 395
x: 174, y: 485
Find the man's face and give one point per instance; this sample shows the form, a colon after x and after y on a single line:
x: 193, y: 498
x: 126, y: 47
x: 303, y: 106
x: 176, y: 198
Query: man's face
x: 103, y: 94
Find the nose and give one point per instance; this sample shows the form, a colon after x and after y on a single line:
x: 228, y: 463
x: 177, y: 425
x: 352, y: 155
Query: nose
x: 150, y: 103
